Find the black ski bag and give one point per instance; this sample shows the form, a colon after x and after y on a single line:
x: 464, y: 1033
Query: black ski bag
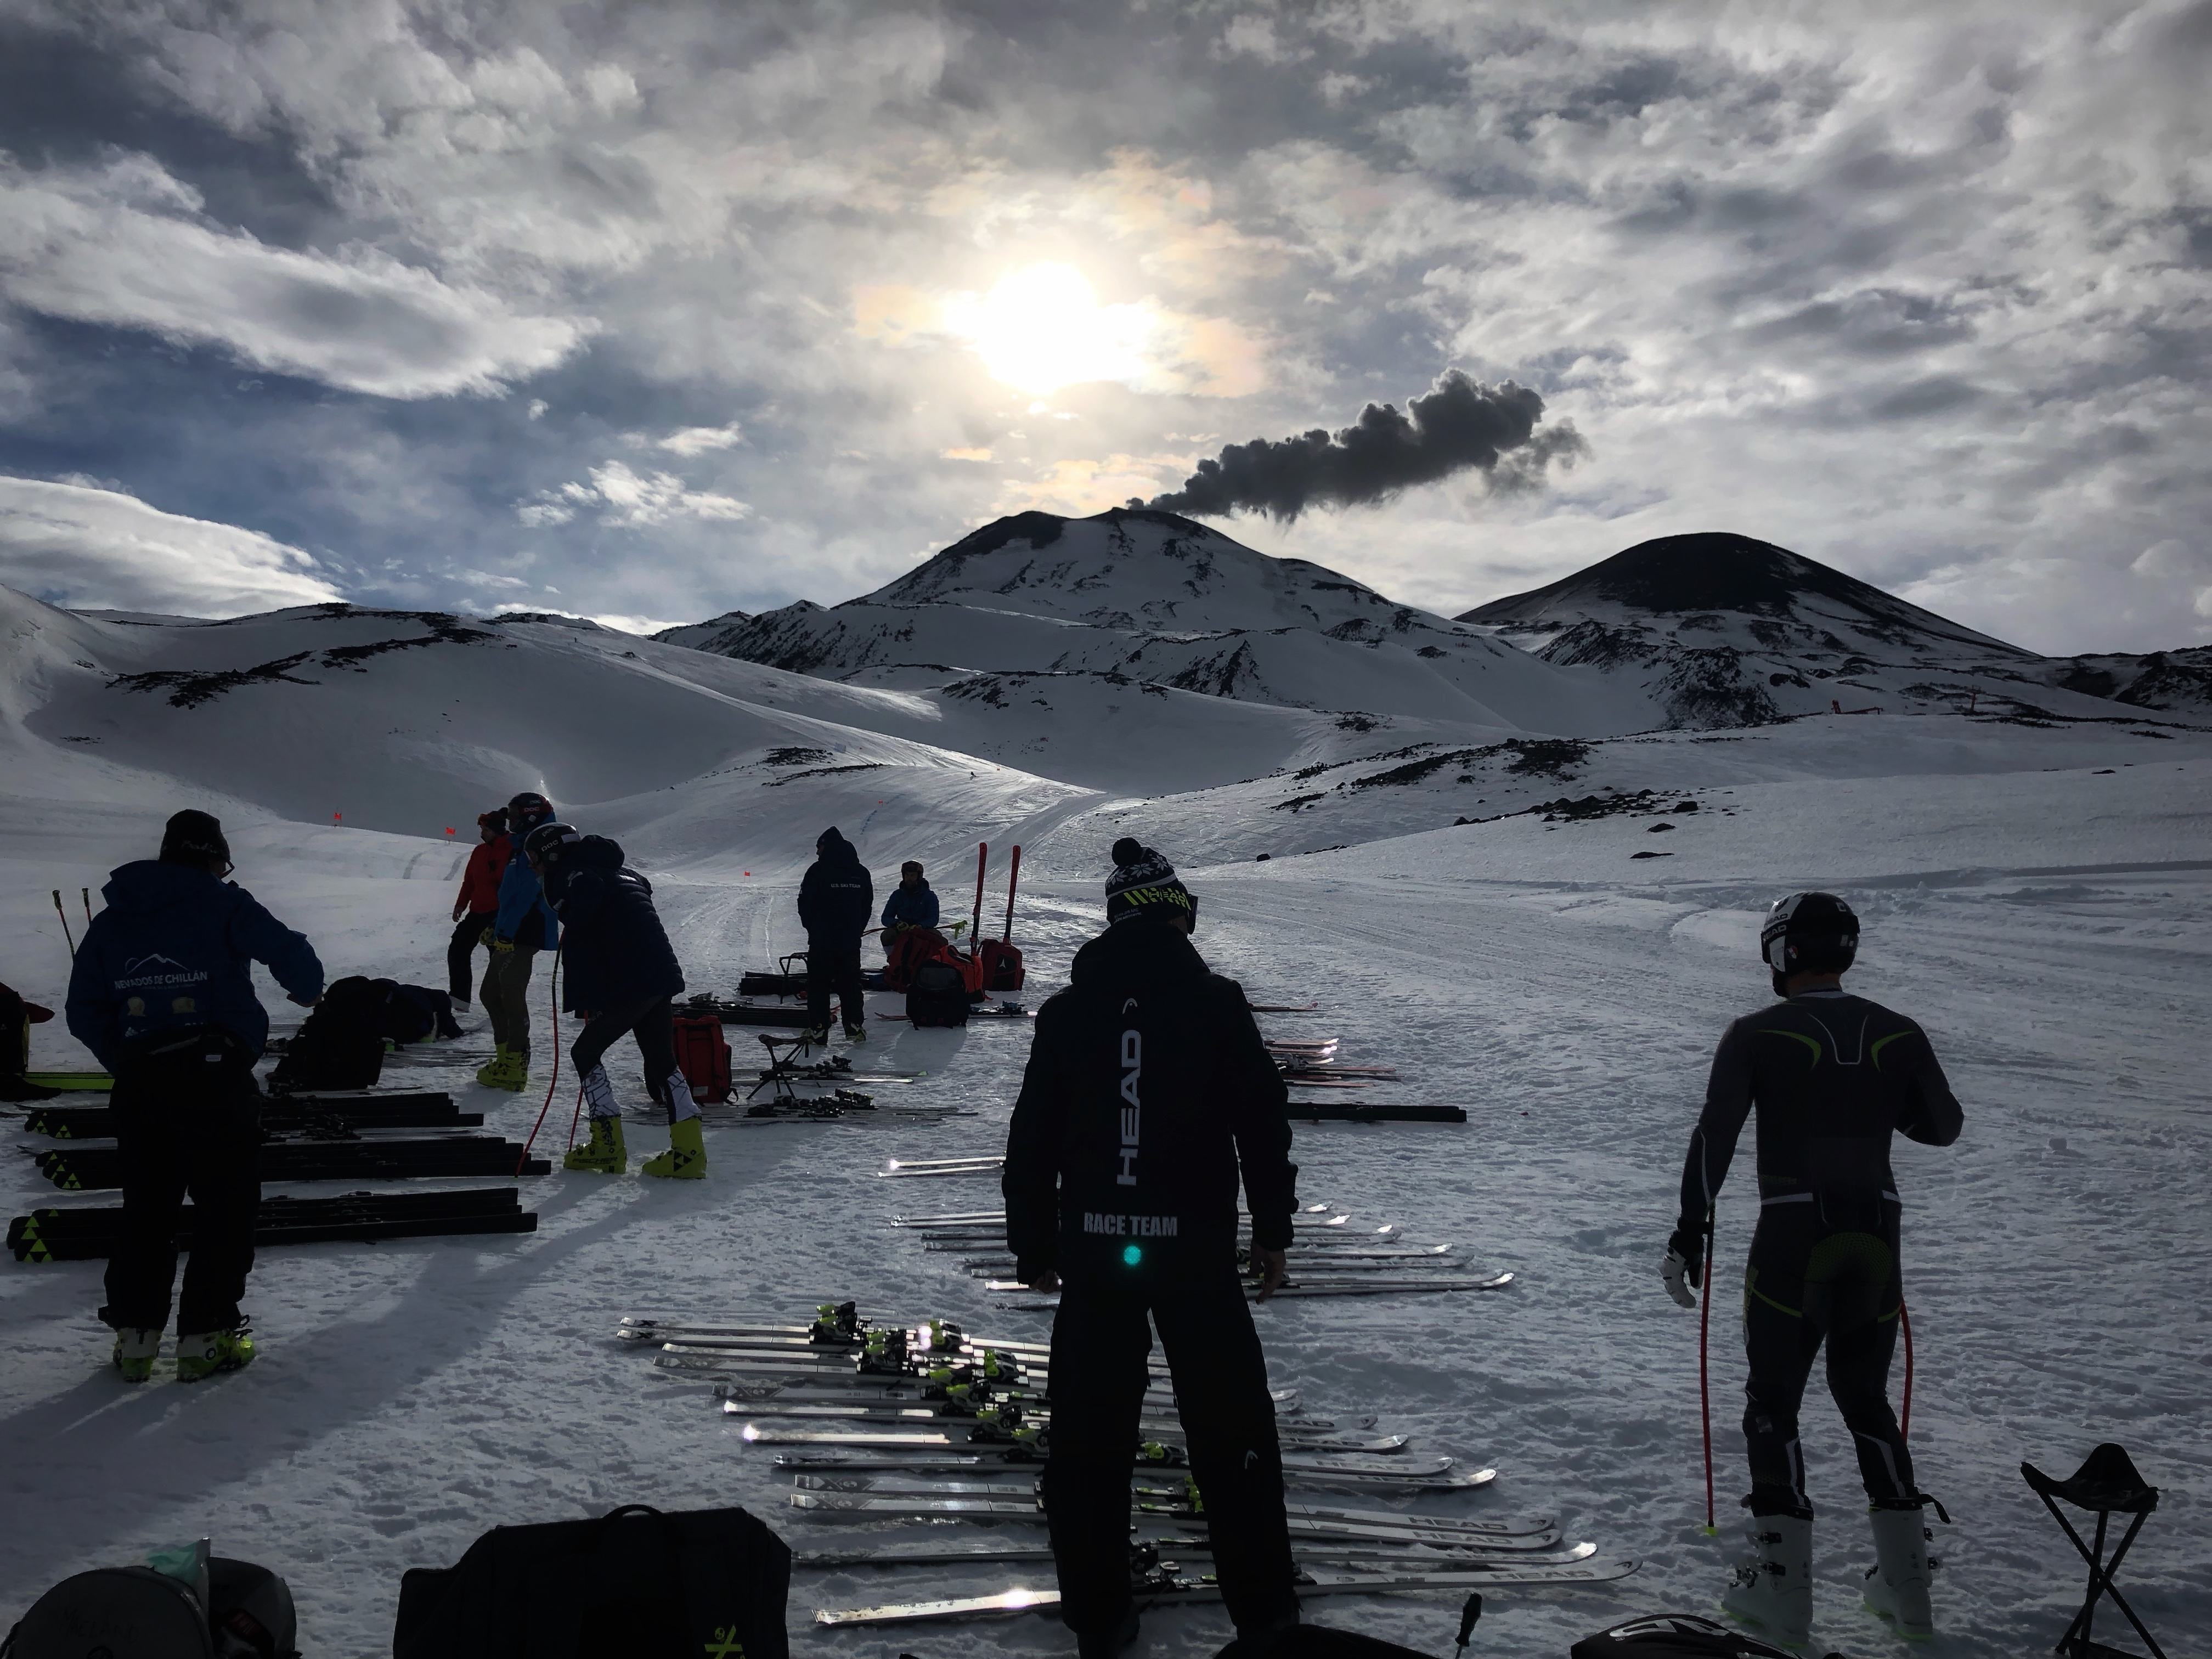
x: 635, y: 1582
x: 1675, y: 1636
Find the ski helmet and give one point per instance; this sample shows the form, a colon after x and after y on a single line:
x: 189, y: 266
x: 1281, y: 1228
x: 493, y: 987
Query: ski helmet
x: 1810, y: 932
x: 527, y: 810
x: 543, y: 845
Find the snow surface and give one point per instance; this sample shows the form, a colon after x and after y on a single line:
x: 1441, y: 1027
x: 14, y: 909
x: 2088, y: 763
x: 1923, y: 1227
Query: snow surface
x: 2038, y: 893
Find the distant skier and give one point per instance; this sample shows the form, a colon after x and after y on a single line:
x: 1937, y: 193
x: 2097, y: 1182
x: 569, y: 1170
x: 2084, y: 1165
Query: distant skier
x: 17, y: 1018
x: 621, y: 975
x: 913, y: 903
x: 523, y: 926
x: 836, y: 900
x: 1147, y: 1090
x: 162, y: 994
x: 1831, y: 1075
x: 475, y: 907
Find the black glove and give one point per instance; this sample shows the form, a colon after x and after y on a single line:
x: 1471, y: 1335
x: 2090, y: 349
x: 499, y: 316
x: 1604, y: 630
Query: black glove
x: 1684, y: 1264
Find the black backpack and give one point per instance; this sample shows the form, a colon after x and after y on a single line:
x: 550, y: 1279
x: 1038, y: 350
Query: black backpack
x: 1673, y: 1636
x: 135, y: 1613
x: 341, y: 1044
x: 938, y: 995
x: 635, y: 1582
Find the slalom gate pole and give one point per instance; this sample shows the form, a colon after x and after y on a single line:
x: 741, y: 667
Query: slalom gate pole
x: 1905, y: 1324
x: 976, y: 927
x: 552, y: 997
x: 1013, y: 876
x: 1704, y: 1389
x: 85, y: 895
x: 63, y: 914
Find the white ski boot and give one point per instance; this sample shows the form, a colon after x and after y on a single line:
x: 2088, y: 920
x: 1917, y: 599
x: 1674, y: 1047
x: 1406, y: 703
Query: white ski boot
x: 1897, y: 1585
x: 1773, y: 1591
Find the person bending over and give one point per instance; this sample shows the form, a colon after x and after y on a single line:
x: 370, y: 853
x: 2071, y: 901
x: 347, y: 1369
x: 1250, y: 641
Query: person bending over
x: 621, y: 976
x: 162, y: 994
x: 1830, y: 1076
x: 1147, y: 1092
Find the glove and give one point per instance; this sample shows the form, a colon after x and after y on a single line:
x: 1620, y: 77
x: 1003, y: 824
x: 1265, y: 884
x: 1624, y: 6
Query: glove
x: 1683, y: 1269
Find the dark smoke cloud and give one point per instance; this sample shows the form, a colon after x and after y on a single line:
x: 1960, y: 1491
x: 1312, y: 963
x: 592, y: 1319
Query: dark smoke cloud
x: 1456, y: 424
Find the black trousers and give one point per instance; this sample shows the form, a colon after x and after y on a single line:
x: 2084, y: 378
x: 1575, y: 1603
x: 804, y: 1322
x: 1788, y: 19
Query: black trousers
x: 835, y: 967
x: 649, y: 1023
x: 188, y: 1122
x: 1101, y: 1342
x: 1811, y: 1283
x: 468, y: 934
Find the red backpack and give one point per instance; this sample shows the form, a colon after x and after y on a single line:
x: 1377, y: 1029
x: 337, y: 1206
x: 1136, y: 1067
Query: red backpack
x: 998, y: 966
x: 909, y: 951
x: 702, y: 1055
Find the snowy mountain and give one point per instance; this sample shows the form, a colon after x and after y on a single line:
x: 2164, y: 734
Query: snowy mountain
x: 1722, y: 630
x: 1161, y: 599
x: 712, y: 635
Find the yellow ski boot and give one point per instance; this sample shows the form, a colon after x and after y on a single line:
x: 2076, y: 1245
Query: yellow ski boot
x: 603, y: 1153
x: 209, y: 1351
x: 686, y: 1156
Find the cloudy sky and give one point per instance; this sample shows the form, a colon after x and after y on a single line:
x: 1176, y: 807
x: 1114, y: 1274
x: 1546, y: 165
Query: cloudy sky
x: 647, y: 311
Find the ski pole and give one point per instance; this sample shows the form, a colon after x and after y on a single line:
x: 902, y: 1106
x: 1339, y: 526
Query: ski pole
x: 1012, y: 876
x: 975, y: 928
x: 1704, y: 1389
x: 85, y: 893
x: 1905, y: 1324
x: 1470, y: 1610
x: 63, y: 914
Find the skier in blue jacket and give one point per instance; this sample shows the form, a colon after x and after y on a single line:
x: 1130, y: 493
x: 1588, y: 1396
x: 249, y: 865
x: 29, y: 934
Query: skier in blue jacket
x: 621, y: 977
x: 913, y: 903
x: 525, y: 926
x: 162, y: 994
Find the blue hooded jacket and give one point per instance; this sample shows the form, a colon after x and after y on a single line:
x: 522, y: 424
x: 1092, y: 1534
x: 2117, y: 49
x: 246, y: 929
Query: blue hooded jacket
x: 614, y: 951
x: 174, y: 949
x: 523, y: 911
x: 914, y: 907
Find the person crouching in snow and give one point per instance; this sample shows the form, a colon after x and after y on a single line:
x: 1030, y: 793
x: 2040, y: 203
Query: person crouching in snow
x: 621, y: 976
x: 913, y: 903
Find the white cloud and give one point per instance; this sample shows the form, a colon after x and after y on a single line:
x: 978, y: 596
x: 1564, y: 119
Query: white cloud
x: 699, y: 440
x: 126, y: 245
x: 93, y: 548
x: 629, y: 500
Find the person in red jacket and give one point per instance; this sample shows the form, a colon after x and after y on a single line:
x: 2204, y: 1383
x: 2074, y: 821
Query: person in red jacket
x: 17, y: 1016
x: 475, y: 907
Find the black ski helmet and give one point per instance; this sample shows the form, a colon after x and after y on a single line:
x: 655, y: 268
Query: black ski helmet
x: 527, y: 810
x: 543, y: 845
x: 1809, y: 934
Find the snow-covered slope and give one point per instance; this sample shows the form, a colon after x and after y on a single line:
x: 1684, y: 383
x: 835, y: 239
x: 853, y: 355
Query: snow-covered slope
x: 1163, y: 599
x: 710, y: 636
x: 1722, y: 630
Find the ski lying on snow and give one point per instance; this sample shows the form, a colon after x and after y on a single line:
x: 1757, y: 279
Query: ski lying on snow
x: 1153, y: 1425
x: 1433, y: 1528
x: 973, y: 1459
x: 1157, y: 1590
x: 1376, y: 1286
x: 771, y: 1435
x: 923, y: 1484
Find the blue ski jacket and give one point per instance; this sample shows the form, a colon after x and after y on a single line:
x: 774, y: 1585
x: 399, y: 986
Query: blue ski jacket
x: 613, y: 952
x: 174, y: 949
x: 914, y: 906
x: 522, y: 907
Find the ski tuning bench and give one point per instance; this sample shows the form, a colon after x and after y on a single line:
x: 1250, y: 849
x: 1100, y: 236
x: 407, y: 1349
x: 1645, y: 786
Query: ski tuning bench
x: 2106, y: 1485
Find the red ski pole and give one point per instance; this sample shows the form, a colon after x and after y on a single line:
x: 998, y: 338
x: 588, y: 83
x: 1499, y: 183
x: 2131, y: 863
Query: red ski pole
x: 1012, y: 876
x: 1905, y: 1324
x: 1704, y: 1390
x: 63, y: 914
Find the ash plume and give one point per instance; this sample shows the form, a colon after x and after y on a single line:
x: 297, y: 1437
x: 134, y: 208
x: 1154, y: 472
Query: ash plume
x: 1456, y: 424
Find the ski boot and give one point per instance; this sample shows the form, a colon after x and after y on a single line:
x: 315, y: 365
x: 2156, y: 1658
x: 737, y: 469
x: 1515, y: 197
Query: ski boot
x: 856, y: 1035
x: 206, y: 1353
x: 686, y: 1156
x: 815, y: 1036
x: 504, y: 1071
x: 135, y: 1349
x: 1773, y: 1591
x: 603, y: 1153
x: 1897, y: 1585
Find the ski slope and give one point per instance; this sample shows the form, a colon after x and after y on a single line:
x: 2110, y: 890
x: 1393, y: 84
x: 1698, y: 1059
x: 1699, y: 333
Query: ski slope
x: 2039, y: 894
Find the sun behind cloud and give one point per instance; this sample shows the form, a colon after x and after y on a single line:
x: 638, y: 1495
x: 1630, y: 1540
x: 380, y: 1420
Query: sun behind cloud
x: 1041, y: 328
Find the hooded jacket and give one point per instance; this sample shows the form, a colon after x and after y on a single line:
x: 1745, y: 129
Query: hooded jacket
x: 911, y: 907
x: 836, y: 898
x: 524, y: 915
x: 174, y: 949
x: 614, y: 951
x: 1148, y: 1092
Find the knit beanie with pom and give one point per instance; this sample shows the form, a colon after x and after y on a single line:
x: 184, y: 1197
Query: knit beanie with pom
x: 1144, y: 883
